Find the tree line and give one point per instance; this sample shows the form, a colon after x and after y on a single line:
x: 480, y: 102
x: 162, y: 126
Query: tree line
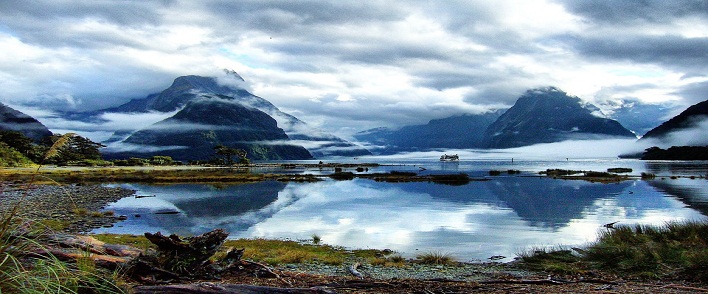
x: 16, y: 149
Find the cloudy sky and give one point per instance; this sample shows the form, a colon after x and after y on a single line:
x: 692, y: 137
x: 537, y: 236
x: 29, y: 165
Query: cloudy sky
x: 346, y: 66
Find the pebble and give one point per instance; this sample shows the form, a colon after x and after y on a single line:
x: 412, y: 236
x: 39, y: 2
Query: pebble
x: 75, y: 204
x: 464, y: 271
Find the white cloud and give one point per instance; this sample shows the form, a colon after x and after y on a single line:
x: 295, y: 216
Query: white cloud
x: 348, y: 66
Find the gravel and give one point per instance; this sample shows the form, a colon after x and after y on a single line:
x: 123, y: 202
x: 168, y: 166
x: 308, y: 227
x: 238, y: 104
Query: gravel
x: 465, y: 271
x: 78, y: 205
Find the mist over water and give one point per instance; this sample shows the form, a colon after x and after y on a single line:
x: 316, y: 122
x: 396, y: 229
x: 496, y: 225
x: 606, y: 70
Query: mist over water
x: 501, y: 215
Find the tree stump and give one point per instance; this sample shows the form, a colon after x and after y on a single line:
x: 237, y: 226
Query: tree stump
x: 189, y: 255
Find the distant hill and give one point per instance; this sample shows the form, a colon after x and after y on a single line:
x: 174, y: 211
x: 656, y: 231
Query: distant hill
x: 219, y: 101
x: 549, y: 115
x: 686, y: 120
x: 456, y: 132
x: 13, y: 120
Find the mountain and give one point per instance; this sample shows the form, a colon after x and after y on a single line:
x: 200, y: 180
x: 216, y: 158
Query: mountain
x: 13, y: 120
x: 691, y: 118
x: 225, y: 98
x: 637, y: 116
x: 549, y: 115
x: 464, y: 131
x: 208, y: 121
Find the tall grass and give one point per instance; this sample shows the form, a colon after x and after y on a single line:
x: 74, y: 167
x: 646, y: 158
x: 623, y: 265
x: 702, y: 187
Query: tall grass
x: 674, y: 250
x: 27, y: 267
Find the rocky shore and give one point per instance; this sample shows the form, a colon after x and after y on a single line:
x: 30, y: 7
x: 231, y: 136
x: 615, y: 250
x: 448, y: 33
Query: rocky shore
x: 73, y: 208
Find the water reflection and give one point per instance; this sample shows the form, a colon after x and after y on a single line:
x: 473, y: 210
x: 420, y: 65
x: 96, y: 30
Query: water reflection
x: 692, y: 192
x: 685, y: 168
x: 496, y: 217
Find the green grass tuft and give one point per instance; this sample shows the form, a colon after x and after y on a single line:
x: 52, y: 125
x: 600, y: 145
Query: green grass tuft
x: 435, y: 257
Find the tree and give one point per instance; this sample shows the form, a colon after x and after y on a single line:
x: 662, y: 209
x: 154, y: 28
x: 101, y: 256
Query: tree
x: 228, y: 153
x: 77, y: 148
x: 23, y: 144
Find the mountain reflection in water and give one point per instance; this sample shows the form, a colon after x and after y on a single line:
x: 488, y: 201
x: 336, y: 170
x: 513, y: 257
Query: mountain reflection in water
x: 501, y: 216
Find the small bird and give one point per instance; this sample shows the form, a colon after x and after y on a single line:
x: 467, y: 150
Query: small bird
x: 610, y: 225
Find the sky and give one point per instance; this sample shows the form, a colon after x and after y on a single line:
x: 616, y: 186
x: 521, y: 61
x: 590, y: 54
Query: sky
x: 347, y: 66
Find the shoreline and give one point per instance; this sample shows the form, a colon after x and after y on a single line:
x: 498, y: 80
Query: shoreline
x: 74, y: 209
x: 77, y: 205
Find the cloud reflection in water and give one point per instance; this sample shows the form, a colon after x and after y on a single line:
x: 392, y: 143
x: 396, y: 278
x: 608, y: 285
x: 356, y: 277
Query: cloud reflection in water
x: 497, y: 217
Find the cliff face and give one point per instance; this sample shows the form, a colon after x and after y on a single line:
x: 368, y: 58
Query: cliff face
x: 549, y: 115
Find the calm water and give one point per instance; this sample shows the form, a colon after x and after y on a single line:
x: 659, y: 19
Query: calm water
x: 500, y: 216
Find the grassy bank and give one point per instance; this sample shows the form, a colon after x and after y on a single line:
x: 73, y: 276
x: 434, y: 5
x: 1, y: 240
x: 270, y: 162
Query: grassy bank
x: 674, y: 251
x: 277, y: 252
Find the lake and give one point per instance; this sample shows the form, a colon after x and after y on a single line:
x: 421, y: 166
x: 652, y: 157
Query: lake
x: 501, y: 215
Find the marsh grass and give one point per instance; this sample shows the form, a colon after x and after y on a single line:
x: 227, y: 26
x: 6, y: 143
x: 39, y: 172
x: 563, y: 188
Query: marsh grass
x: 676, y: 249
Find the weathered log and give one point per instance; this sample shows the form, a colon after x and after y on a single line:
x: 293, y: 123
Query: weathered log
x: 226, y: 288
